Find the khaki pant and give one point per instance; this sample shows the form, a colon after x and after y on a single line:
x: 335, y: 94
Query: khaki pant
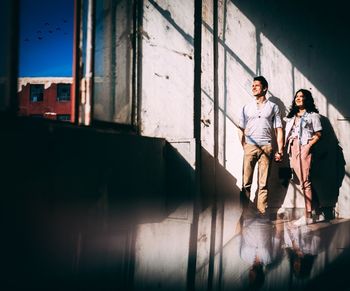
x: 262, y: 155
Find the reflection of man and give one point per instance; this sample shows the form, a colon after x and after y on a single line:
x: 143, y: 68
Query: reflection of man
x: 256, y: 248
x: 260, y: 245
x: 256, y: 124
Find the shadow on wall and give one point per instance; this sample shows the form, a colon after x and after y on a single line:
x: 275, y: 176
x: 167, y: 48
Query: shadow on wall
x: 178, y: 184
x: 327, y: 172
x: 224, y: 188
x: 219, y: 214
x: 328, y: 166
x: 73, y: 197
x: 281, y: 105
x: 310, y: 45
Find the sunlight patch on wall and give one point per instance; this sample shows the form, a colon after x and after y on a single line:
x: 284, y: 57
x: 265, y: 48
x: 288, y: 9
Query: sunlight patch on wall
x: 234, y: 84
x: 234, y: 152
x: 207, y: 96
x: 277, y: 69
x: 241, y: 36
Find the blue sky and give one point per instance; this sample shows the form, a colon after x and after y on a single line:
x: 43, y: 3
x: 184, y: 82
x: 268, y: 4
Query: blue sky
x: 46, y: 38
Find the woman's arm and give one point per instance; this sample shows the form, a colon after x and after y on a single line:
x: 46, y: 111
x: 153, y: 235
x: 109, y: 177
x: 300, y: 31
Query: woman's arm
x: 315, y: 138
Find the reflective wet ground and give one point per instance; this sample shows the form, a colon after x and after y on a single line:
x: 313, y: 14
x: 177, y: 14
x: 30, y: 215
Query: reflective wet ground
x: 279, y: 254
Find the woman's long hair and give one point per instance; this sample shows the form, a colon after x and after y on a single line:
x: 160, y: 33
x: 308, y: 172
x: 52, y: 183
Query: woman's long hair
x: 309, y: 103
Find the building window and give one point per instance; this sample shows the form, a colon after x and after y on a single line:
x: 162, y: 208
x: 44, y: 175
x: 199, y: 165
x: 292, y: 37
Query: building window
x: 63, y: 117
x: 113, y: 61
x: 36, y: 115
x: 63, y: 92
x: 36, y: 92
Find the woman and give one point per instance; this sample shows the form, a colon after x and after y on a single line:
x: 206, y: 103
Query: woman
x: 302, y: 247
x: 303, y: 131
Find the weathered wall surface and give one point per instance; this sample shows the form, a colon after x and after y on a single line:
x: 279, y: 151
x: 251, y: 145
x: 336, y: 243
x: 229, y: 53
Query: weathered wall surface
x: 294, y: 46
x: 121, y: 207
x: 167, y: 69
x: 162, y: 248
x: 253, y: 40
x: 288, y: 44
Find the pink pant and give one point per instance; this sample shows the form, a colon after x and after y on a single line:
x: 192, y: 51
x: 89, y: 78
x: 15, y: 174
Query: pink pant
x: 300, y: 162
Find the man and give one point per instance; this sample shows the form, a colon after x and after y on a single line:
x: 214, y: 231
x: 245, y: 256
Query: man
x: 257, y: 122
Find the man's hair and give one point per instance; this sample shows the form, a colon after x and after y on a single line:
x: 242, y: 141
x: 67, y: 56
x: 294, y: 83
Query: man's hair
x: 262, y: 80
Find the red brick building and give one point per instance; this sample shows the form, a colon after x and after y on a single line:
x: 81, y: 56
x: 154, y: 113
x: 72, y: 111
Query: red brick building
x: 46, y: 97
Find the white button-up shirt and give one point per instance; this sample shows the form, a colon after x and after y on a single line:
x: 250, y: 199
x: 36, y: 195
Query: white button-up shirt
x: 259, y: 122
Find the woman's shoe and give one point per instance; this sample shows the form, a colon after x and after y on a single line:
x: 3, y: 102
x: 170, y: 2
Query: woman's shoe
x: 303, y: 221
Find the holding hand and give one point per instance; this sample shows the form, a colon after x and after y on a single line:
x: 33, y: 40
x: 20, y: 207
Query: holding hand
x: 278, y: 157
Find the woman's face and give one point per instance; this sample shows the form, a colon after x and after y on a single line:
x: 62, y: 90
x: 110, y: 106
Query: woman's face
x: 299, y: 100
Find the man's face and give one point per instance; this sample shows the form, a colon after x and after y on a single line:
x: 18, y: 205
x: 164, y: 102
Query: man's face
x: 258, y: 89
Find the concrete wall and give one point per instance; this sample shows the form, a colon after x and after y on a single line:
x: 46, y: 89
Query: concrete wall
x: 167, y: 111
x: 99, y: 220
x: 167, y: 69
x: 294, y: 46
x: 251, y: 42
x: 288, y: 44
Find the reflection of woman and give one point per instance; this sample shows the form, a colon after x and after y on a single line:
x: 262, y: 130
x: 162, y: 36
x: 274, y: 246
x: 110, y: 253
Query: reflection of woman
x: 303, y: 130
x: 302, y: 246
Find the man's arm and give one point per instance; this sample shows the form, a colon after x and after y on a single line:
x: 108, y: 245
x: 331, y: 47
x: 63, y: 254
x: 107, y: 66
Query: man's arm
x: 279, y: 133
x: 280, y: 141
x: 241, y: 136
x: 241, y: 126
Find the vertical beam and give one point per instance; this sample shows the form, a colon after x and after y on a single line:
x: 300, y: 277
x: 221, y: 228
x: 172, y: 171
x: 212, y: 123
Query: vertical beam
x: 138, y: 65
x: 88, y: 75
x: 14, y: 60
x: 9, y: 57
x: 109, y: 61
x: 224, y: 93
x: 192, y: 259
x: 75, y: 100
x: 216, y: 150
x: 134, y: 63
